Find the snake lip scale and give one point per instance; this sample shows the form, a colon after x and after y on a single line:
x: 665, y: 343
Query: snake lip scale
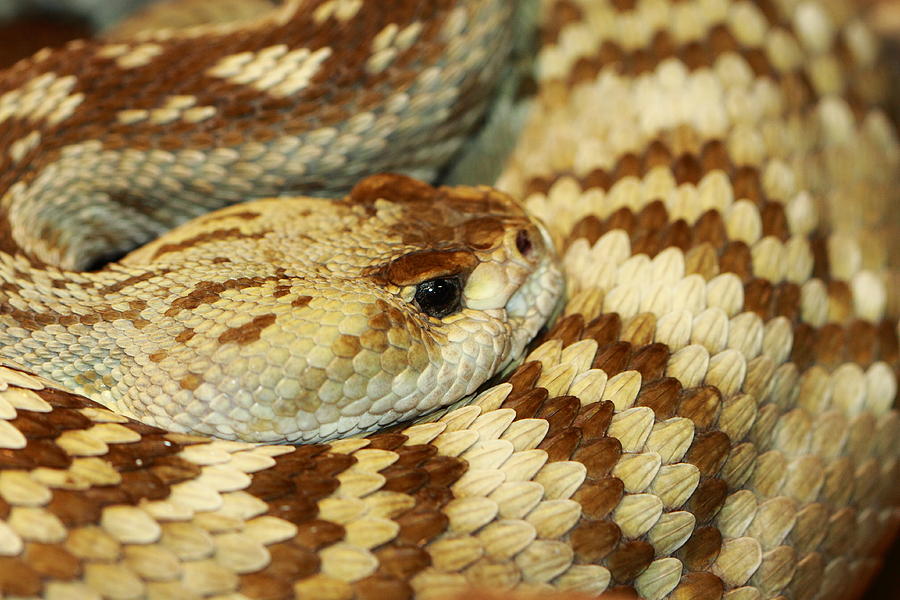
x: 304, y: 377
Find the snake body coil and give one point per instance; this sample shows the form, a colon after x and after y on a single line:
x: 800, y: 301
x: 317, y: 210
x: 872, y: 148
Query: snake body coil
x: 712, y: 416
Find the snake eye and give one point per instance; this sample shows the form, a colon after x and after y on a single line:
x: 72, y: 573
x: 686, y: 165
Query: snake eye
x: 439, y: 297
x: 523, y: 243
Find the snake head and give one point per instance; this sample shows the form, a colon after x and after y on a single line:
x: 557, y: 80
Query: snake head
x: 417, y: 296
x: 304, y: 319
x: 470, y: 272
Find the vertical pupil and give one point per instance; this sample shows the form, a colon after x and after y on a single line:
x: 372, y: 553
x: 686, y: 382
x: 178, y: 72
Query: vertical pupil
x: 523, y: 242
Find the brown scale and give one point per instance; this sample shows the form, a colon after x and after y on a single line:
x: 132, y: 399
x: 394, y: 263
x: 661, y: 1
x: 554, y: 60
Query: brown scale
x: 759, y: 63
x: 592, y: 541
x: 604, y: 329
x: 708, y: 452
x: 599, y: 498
x: 73, y: 509
x: 687, y: 169
x: 650, y: 361
x: 412, y: 456
x: 786, y: 302
x: 288, y: 562
x: 628, y: 165
x: 380, y: 586
x: 759, y: 297
x: 661, y: 396
x: 701, y: 405
x: 560, y: 14
x: 613, y: 358
x: 34, y: 425
x: 594, y: 419
x: 698, y: 586
x: 829, y: 344
x: 567, y: 329
x: 591, y: 228
x: 599, y: 456
x: 420, y: 527
x: 710, y: 228
x: 559, y: 412
x: 171, y: 470
x: 134, y: 455
x: 262, y: 586
x: 622, y: 219
x: 106, y: 495
x: 714, y: 156
x: 52, y: 561
x: 140, y: 485
x: 527, y: 403
x: 628, y: 560
x: 407, y: 476
x: 735, y: 258
x: 678, y: 235
x: 707, y: 499
x: 747, y: 183
x: 443, y: 471
x: 774, y: 220
x: 295, y: 510
x: 798, y: 91
x: 862, y: 343
x: 888, y: 347
x: 17, y: 578
x: 315, y: 534
x: 402, y: 560
x: 618, y: 592
x: 562, y: 445
x: 36, y: 453
x: 802, y: 353
x: 624, y: 6
x: 597, y: 178
x: 651, y: 230
x: 701, y: 549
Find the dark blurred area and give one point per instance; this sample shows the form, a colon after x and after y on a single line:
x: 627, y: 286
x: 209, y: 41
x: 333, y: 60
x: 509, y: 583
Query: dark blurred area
x: 28, y: 33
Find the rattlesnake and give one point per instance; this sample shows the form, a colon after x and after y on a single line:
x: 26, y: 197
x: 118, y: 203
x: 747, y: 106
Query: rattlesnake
x: 710, y: 416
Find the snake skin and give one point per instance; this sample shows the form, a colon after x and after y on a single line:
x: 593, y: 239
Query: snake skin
x: 713, y: 416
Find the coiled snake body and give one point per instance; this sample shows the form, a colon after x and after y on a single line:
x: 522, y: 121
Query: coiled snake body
x: 710, y: 417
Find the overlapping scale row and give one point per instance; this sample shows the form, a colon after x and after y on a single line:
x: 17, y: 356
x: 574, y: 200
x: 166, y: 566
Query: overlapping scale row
x: 700, y: 166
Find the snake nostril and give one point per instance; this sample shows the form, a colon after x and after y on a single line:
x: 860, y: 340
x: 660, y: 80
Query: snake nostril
x: 523, y: 243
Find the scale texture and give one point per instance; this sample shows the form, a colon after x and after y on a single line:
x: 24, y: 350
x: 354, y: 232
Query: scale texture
x: 712, y: 417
